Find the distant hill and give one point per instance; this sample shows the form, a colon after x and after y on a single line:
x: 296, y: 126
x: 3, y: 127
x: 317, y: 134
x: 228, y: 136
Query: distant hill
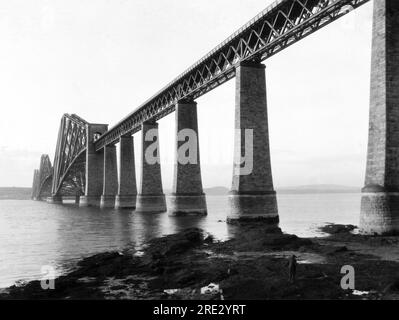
x: 318, y: 188
x: 14, y: 193
x: 213, y: 191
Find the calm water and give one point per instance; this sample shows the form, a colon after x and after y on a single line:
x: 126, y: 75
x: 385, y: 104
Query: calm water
x: 33, y: 234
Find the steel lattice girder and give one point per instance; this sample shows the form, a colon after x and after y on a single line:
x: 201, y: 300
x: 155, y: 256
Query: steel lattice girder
x: 71, y: 144
x: 42, y: 176
x: 274, y: 29
x: 74, y: 180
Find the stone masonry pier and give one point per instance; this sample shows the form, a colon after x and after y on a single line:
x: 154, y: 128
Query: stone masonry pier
x: 94, y: 167
x: 127, y: 190
x: 380, y: 200
x: 151, y: 197
x: 252, y: 194
x: 187, y: 194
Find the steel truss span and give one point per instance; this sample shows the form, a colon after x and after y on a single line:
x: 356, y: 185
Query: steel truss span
x: 42, y: 178
x: 70, y: 157
x: 274, y: 29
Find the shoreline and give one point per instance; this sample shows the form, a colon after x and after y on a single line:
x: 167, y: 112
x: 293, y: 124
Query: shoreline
x: 252, y: 265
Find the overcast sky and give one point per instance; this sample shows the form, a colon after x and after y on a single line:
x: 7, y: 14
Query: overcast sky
x: 101, y: 59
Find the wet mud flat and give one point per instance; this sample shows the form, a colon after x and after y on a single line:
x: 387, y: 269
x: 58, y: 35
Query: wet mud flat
x: 253, y: 265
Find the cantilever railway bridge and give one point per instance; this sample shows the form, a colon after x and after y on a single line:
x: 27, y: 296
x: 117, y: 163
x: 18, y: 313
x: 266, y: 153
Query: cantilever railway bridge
x: 85, y: 159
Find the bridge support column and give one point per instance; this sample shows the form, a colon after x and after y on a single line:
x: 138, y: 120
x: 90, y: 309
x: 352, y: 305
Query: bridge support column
x: 187, y: 196
x: 94, y: 167
x: 110, y: 183
x: 127, y: 190
x: 380, y: 199
x: 54, y: 199
x: 252, y: 196
x: 151, y: 197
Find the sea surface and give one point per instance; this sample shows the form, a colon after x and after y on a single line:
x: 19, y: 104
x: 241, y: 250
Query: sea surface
x: 35, y: 234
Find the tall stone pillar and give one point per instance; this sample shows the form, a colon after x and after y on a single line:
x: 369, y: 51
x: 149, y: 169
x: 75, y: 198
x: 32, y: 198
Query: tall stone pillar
x: 94, y: 167
x: 380, y: 199
x: 187, y: 196
x: 252, y: 196
x: 151, y: 197
x: 110, y: 182
x: 127, y: 190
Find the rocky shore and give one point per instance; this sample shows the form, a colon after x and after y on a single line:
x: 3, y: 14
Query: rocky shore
x: 253, y: 265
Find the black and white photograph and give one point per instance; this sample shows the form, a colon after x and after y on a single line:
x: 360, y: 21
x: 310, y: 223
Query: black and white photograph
x: 199, y: 154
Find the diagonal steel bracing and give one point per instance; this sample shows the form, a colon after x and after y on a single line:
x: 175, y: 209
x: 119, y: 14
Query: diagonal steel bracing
x: 42, y: 178
x: 274, y: 29
x: 69, y: 161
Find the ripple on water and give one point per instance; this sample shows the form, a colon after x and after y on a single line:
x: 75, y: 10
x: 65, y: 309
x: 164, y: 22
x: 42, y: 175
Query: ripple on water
x: 34, y: 234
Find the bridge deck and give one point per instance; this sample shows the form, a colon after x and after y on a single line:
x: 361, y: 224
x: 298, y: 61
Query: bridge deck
x: 281, y: 24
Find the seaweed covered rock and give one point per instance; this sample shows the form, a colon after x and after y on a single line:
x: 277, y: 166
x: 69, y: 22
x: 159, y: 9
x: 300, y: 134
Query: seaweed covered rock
x: 176, y: 243
x: 332, y: 228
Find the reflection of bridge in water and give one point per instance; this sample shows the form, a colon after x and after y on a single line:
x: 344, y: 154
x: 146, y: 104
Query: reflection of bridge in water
x: 85, y: 164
